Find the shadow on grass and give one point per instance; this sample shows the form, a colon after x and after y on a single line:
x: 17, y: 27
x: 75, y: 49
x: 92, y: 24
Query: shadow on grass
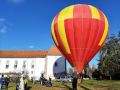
x: 67, y: 86
x: 63, y: 86
x: 5, y: 88
x: 85, y: 87
x: 29, y: 87
x: 59, y: 86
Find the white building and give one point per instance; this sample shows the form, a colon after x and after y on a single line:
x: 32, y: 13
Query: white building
x: 50, y: 62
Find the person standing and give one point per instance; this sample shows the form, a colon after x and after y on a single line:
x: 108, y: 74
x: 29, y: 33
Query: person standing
x: 25, y: 83
x: 74, y: 82
x: 1, y: 81
x: 21, y: 83
x: 50, y: 83
x: 42, y: 79
x: 49, y: 79
x: 6, y: 83
x: 18, y: 83
x: 33, y: 80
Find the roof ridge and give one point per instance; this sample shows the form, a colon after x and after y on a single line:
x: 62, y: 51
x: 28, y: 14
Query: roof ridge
x: 29, y: 53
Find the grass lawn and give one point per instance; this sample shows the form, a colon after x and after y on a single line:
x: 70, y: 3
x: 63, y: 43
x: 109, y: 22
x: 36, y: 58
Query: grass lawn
x: 56, y: 86
x: 101, y: 84
x: 86, y: 85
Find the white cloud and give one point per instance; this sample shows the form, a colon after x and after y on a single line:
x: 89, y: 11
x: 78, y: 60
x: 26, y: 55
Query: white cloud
x: 5, y: 26
x: 3, y: 29
x: 16, y: 1
x: 2, y: 19
x: 31, y: 46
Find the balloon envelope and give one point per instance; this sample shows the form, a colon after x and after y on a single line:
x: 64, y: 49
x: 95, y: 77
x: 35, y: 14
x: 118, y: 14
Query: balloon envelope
x: 79, y: 31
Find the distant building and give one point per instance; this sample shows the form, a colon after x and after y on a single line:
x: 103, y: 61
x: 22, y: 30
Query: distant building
x: 33, y: 62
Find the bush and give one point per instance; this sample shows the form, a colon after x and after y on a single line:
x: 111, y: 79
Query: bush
x: 95, y: 74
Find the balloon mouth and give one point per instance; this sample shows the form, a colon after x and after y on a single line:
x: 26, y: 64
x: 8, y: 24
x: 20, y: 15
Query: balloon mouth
x: 80, y: 70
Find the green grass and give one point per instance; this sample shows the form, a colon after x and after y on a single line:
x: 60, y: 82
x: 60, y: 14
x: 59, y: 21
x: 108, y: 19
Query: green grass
x: 11, y: 86
x: 101, y: 84
x: 37, y: 86
x: 86, y: 85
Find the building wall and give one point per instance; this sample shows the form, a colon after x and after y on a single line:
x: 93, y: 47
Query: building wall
x: 11, y: 64
x: 39, y: 66
x: 32, y: 72
x: 52, y: 68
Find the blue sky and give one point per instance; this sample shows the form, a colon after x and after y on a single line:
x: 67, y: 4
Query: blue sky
x: 26, y: 24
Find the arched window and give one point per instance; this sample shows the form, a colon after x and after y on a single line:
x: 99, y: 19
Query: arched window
x: 56, y: 64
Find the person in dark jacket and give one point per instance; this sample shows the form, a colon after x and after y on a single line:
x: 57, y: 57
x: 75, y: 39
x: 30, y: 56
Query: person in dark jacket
x: 18, y: 83
x: 49, y: 79
x: 42, y: 79
x: 1, y: 82
x: 74, y: 83
x: 25, y: 83
x: 6, y: 83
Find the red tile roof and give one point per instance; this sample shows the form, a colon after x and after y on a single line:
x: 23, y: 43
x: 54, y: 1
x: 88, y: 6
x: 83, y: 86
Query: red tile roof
x: 29, y: 53
x: 22, y: 53
x: 54, y: 51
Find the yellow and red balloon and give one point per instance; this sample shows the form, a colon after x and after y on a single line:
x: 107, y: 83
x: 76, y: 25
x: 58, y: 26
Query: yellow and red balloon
x: 79, y: 31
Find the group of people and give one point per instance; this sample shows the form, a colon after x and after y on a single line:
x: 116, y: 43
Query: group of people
x: 4, y: 82
x: 22, y: 83
x: 77, y: 79
x: 44, y: 81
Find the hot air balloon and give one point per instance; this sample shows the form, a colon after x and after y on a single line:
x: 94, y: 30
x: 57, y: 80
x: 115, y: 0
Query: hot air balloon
x: 79, y: 31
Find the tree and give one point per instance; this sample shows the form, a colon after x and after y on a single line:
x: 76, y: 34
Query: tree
x: 109, y: 62
x: 71, y: 71
x: 95, y: 74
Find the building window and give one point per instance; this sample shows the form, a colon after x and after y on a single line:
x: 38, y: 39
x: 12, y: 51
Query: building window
x: 32, y: 64
x: 7, y: 64
x: 16, y: 63
x: 31, y: 72
x: 24, y: 64
x: 56, y: 64
x: 15, y: 66
x: 23, y: 72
